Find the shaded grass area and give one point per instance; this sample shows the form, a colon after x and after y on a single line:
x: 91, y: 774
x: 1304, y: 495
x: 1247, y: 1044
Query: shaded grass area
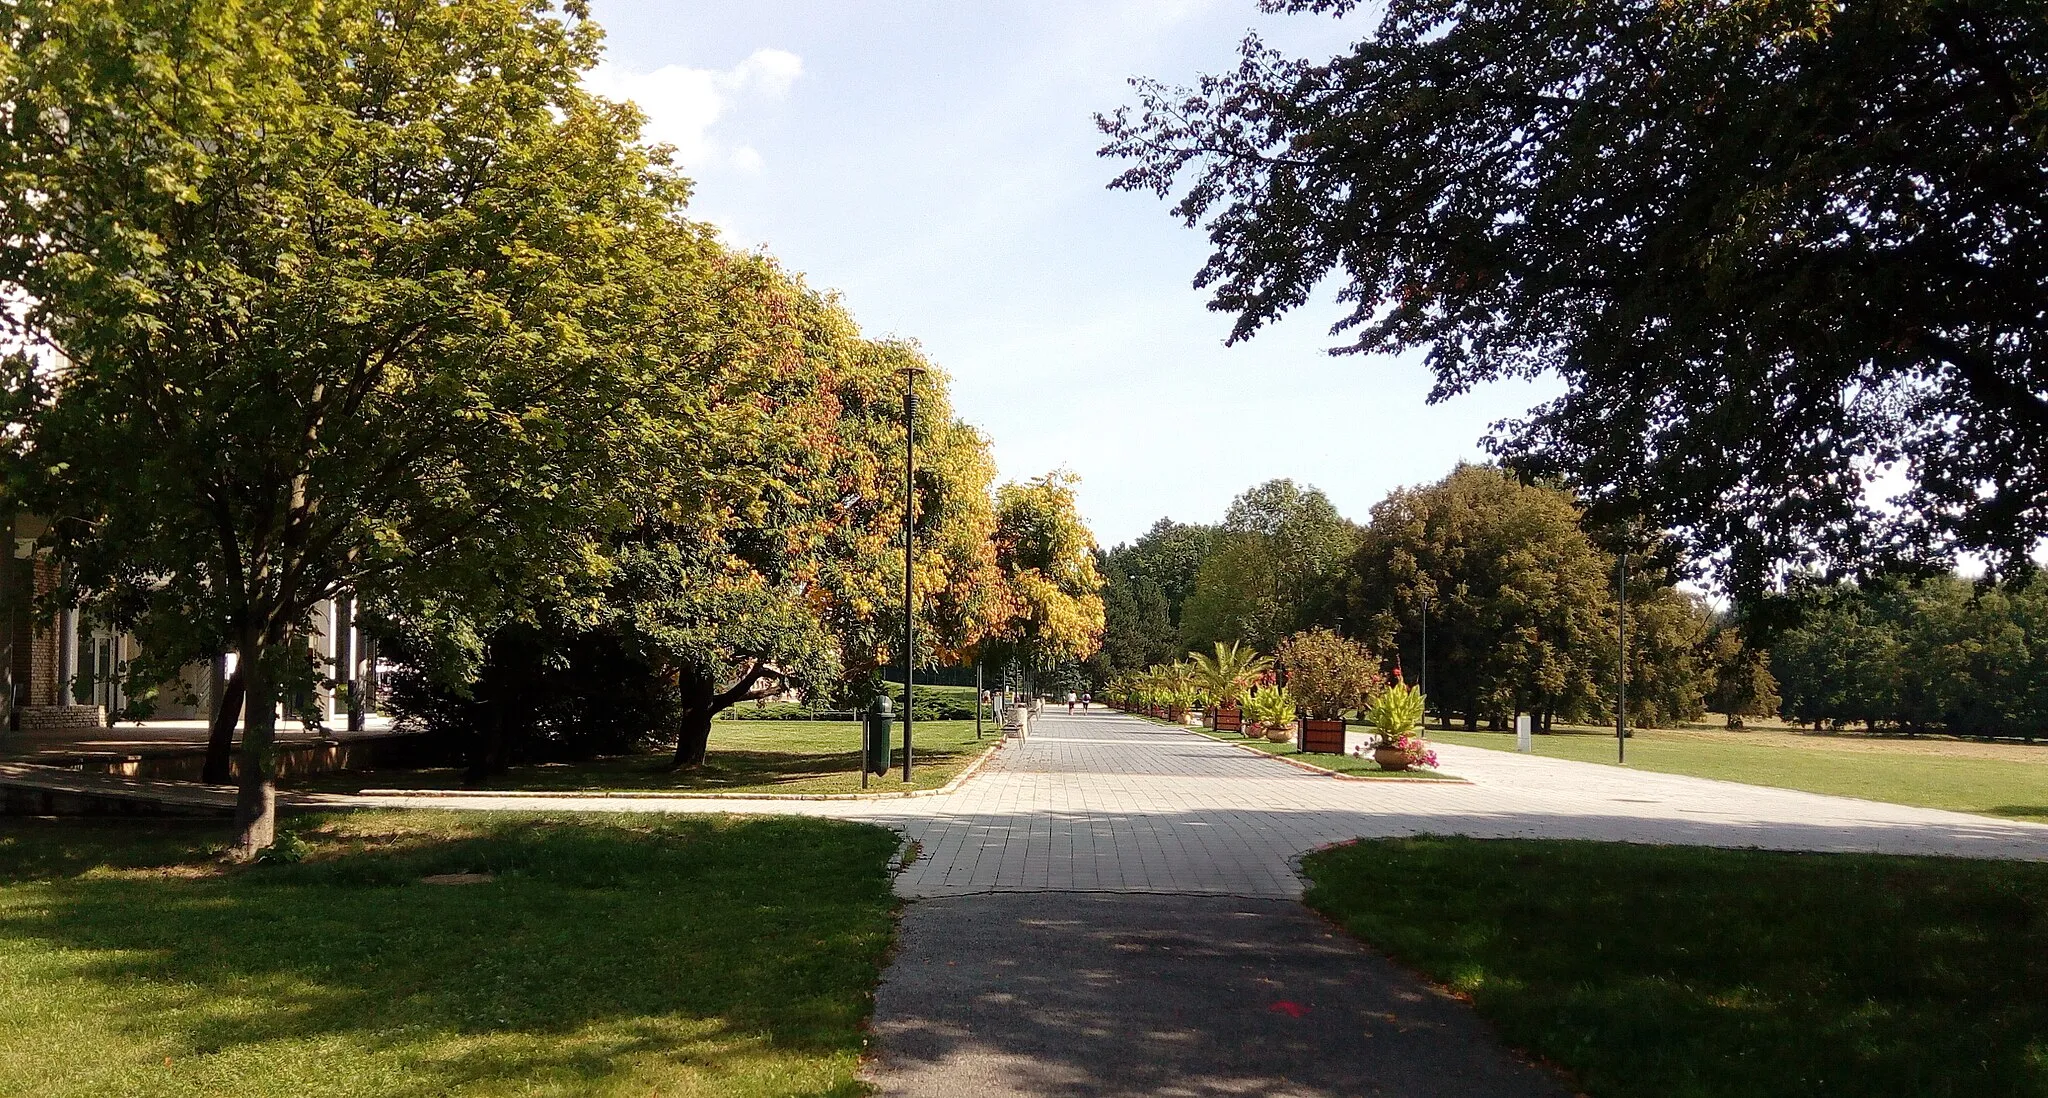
x: 604, y: 956
x: 1688, y: 972
x: 745, y: 757
x: 1816, y: 764
x: 1341, y: 764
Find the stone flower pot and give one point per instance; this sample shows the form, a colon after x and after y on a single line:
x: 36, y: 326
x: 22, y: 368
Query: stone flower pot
x: 1279, y: 733
x: 1253, y: 730
x: 1390, y: 758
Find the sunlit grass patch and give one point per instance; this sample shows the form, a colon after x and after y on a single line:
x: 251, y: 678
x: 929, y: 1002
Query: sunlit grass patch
x: 603, y: 956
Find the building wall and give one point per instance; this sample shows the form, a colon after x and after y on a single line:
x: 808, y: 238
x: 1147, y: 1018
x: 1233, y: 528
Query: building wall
x: 43, y: 688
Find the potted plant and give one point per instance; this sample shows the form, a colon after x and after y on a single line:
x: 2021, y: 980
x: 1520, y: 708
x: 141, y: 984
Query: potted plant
x: 1328, y: 676
x: 1394, y: 716
x: 1226, y: 677
x: 1177, y: 688
x: 1271, y: 711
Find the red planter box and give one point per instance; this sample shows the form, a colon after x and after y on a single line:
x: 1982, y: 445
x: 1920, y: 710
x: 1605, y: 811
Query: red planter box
x: 1229, y: 720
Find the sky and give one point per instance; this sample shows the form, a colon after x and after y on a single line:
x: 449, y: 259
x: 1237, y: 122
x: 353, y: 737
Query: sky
x: 934, y: 163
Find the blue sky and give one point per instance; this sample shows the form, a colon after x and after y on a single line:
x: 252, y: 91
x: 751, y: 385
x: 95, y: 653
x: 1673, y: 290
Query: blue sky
x: 934, y: 163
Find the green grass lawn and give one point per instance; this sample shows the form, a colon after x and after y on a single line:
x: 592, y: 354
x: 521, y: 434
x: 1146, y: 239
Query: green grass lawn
x: 745, y: 757
x: 607, y: 955
x: 1692, y: 973
x: 1903, y: 772
x: 1341, y: 764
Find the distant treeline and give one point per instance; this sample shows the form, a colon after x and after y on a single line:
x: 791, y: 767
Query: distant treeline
x: 1941, y: 655
x: 1520, y: 604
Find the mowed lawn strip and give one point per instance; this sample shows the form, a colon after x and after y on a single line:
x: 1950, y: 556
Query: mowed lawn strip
x: 1694, y: 973
x: 600, y: 956
x: 753, y: 756
x: 1341, y: 764
x: 1900, y: 771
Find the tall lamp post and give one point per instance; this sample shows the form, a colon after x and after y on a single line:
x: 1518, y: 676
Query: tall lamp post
x: 1422, y: 677
x: 910, y: 375
x: 1621, y: 657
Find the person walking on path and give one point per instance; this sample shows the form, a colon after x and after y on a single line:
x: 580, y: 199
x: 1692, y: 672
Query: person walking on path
x: 1071, y: 698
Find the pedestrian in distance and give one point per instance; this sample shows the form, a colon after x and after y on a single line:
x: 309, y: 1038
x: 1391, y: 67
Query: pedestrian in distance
x: 1071, y: 699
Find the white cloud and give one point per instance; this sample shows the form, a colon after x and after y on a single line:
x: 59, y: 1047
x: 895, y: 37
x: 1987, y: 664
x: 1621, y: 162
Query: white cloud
x: 683, y: 105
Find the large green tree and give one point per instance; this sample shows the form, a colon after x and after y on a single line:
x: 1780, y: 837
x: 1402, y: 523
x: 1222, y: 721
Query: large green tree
x: 1047, y: 557
x: 1519, y: 601
x: 783, y: 569
x: 338, y: 295
x: 1769, y: 247
x: 1137, y: 622
x: 1170, y: 556
x: 1742, y: 685
x: 1271, y: 567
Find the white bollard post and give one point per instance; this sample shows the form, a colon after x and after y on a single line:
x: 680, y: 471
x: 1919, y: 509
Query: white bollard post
x: 1522, y: 743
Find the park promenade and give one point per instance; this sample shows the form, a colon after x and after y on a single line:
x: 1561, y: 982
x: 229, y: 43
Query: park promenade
x: 1111, y: 908
x: 1098, y: 801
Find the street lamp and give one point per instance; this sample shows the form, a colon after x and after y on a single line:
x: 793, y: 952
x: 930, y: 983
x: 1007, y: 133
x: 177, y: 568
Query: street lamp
x: 1422, y: 676
x: 1621, y: 656
x: 910, y: 376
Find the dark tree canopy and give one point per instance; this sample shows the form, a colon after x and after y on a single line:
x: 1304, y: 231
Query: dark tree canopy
x: 1770, y: 246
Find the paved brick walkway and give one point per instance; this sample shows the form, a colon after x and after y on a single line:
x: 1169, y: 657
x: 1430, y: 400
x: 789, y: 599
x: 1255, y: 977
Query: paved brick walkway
x: 1104, y: 802
x: 1099, y: 801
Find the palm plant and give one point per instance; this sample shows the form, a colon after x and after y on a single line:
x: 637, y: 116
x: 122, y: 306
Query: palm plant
x: 1177, y: 689
x: 1226, y: 677
x: 1271, y: 706
x: 1395, y: 713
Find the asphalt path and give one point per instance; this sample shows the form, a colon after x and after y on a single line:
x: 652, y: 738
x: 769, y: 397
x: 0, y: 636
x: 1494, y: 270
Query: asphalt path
x: 1150, y: 983
x: 1103, y: 994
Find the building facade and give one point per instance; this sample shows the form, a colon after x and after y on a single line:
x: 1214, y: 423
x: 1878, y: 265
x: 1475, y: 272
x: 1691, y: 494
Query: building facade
x: 63, y: 671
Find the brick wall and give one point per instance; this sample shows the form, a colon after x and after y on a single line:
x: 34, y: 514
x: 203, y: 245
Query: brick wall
x: 43, y: 641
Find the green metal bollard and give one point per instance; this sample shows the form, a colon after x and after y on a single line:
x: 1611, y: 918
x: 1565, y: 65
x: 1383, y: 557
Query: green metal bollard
x: 881, y: 719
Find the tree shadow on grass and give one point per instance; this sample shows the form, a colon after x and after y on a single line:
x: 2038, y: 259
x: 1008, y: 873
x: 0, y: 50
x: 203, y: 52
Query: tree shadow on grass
x: 1668, y: 970
x: 600, y: 952
x: 726, y: 769
x: 2035, y: 812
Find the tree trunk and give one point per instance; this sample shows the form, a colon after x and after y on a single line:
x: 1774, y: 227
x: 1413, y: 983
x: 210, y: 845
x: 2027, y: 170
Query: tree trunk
x: 693, y: 736
x: 499, y: 705
x: 220, y: 739
x: 702, y: 699
x: 1471, y: 720
x: 256, y: 797
x: 487, y: 752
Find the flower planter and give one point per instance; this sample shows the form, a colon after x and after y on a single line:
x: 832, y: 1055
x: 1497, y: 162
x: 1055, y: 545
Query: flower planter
x: 1229, y: 720
x: 1252, y: 730
x: 1390, y: 758
x: 1322, y: 737
x: 1279, y: 733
